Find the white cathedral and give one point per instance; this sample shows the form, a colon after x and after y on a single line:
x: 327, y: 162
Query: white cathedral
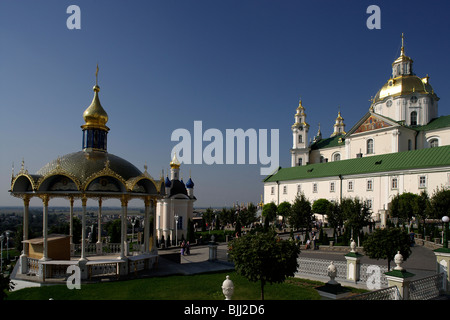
x: 400, y: 145
x: 176, y: 207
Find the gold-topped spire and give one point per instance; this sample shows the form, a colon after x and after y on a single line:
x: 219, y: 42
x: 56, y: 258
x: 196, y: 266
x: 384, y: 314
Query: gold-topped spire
x: 402, y: 50
x: 174, y: 163
x: 95, y: 116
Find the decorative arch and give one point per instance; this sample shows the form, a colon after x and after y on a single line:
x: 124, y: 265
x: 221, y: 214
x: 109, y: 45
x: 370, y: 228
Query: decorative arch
x: 143, y: 185
x: 106, y: 183
x: 106, y: 172
x: 23, y: 182
x: 58, y: 182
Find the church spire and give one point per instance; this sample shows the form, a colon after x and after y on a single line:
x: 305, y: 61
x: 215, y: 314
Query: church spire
x: 339, y: 125
x: 402, y: 66
x: 95, y: 117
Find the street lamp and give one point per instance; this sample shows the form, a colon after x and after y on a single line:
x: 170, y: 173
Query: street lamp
x: 1, y: 256
x: 7, y: 245
x: 176, y: 230
x: 445, y: 219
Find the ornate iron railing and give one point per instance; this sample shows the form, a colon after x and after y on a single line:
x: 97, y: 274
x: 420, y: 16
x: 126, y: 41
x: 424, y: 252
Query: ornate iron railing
x: 318, y: 267
x: 390, y: 293
x: 427, y: 288
x: 374, y: 273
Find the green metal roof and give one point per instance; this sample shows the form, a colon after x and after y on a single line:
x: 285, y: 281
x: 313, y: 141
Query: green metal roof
x: 437, y: 123
x: 407, y: 160
x: 328, y: 142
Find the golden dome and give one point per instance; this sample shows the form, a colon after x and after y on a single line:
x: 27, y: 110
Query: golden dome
x: 404, y: 85
x: 174, y: 163
x: 95, y: 116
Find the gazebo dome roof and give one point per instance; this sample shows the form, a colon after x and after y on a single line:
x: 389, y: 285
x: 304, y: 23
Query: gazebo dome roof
x: 83, y: 165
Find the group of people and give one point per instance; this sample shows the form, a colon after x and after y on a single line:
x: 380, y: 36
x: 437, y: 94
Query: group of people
x: 185, y: 248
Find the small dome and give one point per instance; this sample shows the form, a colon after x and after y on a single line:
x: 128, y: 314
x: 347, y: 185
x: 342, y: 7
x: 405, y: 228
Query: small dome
x: 95, y: 115
x: 174, y: 163
x: 167, y: 182
x: 190, y: 184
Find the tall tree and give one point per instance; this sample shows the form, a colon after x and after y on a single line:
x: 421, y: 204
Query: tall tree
x: 334, y: 217
x: 284, y: 209
x: 263, y: 257
x: 356, y: 214
x: 269, y: 213
x: 385, y: 243
x: 320, y: 206
x: 440, y: 203
x: 301, y: 214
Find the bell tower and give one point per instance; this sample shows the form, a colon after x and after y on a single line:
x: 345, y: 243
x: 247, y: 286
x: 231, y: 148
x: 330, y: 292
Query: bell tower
x: 300, y: 128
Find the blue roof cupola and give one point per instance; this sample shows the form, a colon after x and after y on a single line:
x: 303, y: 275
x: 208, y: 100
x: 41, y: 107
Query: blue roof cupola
x: 190, y: 184
x: 167, y: 182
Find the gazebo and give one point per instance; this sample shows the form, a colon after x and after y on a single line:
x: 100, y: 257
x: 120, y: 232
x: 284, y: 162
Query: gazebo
x: 91, y: 173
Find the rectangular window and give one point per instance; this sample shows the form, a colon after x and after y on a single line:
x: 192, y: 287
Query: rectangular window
x: 299, y: 189
x: 350, y: 186
x: 284, y: 189
x: 314, y: 187
x: 272, y: 190
x: 422, y: 182
x: 369, y: 185
x: 331, y: 186
x: 369, y: 203
x: 394, y: 184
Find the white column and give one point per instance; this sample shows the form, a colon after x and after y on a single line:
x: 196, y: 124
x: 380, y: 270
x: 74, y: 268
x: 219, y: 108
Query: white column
x: 123, y: 231
x: 24, y: 256
x: 71, y: 227
x: 99, y: 228
x: 83, y: 229
x: 45, y: 200
x: 153, y: 214
x: 146, y: 225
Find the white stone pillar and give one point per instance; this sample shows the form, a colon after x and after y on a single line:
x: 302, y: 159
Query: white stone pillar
x: 353, y: 263
x: 72, y: 246
x: 83, y: 228
x: 24, y: 255
x: 45, y: 200
x: 153, y: 214
x: 399, y: 277
x: 123, y: 229
x: 146, y: 225
x: 99, y: 228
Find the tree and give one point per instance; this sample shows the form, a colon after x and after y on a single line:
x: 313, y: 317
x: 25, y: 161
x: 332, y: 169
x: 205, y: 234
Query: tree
x: 5, y: 286
x: 385, y: 243
x: 334, y: 217
x: 247, y: 215
x: 320, y: 206
x: 440, y: 203
x: 261, y: 256
x: 284, y: 209
x: 269, y: 213
x: 190, y: 231
x: 301, y: 214
x: 356, y: 214
x: 404, y: 206
x: 113, y: 229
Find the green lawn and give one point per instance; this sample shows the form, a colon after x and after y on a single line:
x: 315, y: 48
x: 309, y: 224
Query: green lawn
x: 194, y: 287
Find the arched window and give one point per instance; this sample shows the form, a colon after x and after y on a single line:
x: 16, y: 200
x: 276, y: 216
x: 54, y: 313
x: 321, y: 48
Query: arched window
x: 300, y: 138
x: 369, y: 146
x: 413, y: 118
x: 434, y: 143
x: 337, y: 157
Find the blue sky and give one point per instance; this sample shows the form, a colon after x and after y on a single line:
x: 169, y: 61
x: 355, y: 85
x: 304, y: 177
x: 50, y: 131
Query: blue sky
x: 230, y: 64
